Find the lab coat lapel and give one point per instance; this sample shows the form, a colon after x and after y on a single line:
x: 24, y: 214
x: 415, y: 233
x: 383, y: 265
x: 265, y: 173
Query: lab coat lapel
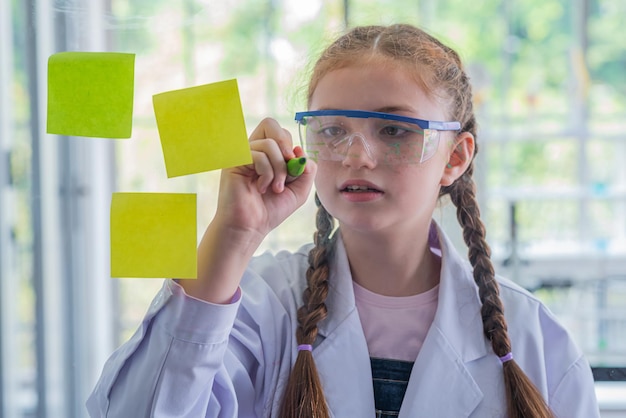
x: 458, y: 312
x: 343, y: 364
x: 440, y: 384
x: 341, y: 356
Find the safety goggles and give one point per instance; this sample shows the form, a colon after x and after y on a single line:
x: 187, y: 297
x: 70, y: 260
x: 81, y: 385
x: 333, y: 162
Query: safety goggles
x: 386, y: 138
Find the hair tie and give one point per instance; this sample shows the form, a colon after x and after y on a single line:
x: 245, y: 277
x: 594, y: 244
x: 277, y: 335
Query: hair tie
x: 305, y: 347
x: 506, y: 357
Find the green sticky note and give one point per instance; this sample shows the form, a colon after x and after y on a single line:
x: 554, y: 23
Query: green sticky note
x: 153, y: 235
x: 91, y: 94
x: 202, y: 128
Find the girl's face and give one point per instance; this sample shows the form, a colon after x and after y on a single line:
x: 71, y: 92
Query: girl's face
x: 365, y: 195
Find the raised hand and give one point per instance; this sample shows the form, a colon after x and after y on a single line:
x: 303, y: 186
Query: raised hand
x: 253, y: 200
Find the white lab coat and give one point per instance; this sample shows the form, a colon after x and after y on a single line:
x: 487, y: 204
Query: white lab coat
x: 194, y: 359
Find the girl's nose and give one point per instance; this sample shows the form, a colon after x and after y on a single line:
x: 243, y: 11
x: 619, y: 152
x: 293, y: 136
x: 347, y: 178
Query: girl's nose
x: 359, y: 153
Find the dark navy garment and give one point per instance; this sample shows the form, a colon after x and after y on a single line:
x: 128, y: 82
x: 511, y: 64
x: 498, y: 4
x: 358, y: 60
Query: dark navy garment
x: 391, y: 378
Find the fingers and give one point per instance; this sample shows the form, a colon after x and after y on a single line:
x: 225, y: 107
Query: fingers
x: 271, y: 146
x: 298, y: 151
x: 263, y: 169
x: 270, y: 128
x: 269, y: 164
x: 302, y: 185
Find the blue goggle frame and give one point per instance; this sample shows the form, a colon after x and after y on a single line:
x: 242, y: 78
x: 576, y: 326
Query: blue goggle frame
x: 424, y: 124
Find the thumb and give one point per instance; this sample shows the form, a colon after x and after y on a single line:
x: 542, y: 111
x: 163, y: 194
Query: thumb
x: 302, y: 185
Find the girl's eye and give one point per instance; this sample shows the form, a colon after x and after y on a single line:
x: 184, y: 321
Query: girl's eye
x: 399, y: 132
x: 392, y: 130
x: 331, y: 131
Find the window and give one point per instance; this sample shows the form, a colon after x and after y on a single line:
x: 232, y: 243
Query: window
x: 549, y: 81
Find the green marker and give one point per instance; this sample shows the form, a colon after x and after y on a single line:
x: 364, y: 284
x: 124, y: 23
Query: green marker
x: 295, y: 167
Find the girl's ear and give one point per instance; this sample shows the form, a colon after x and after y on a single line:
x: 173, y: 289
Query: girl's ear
x: 460, y: 157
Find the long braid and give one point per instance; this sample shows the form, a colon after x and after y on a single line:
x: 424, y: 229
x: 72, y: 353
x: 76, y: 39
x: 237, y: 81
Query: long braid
x: 304, y: 397
x: 523, y: 398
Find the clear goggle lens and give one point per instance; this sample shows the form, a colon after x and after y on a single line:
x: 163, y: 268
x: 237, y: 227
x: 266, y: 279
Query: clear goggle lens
x: 384, y: 141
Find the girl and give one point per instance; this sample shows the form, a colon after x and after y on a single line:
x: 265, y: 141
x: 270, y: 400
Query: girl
x: 380, y: 316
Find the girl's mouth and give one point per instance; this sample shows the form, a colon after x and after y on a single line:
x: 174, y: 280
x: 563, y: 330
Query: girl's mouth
x: 360, y: 189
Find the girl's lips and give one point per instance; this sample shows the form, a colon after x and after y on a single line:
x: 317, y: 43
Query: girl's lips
x: 359, y: 186
x: 359, y: 191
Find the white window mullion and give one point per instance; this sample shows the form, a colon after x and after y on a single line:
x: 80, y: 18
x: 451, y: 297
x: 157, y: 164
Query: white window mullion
x: 50, y: 292
x: 8, y: 285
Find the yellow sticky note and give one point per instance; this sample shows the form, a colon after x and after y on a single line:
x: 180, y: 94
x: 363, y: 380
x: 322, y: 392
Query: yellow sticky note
x: 91, y: 94
x: 153, y: 235
x: 202, y: 128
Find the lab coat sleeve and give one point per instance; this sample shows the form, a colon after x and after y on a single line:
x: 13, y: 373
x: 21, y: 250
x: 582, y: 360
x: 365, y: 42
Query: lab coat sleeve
x: 575, y: 397
x: 545, y: 350
x: 571, y: 391
x: 174, y: 363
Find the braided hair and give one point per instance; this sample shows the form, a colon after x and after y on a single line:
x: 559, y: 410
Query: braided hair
x: 303, y: 395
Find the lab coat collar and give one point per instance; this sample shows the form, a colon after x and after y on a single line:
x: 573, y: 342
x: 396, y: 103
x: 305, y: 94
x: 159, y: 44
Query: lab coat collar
x: 454, y: 339
x: 458, y: 314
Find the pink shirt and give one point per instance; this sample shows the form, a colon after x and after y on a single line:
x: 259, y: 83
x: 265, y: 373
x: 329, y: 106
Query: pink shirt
x: 395, y: 327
